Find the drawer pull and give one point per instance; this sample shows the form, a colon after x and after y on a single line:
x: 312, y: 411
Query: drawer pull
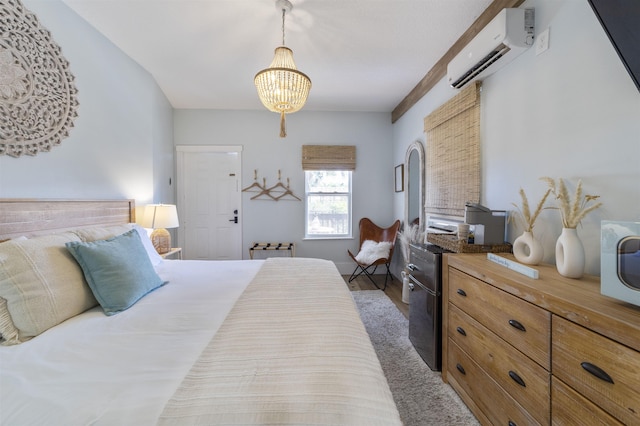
x: 461, y: 292
x: 511, y: 423
x: 517, y: 324
x: 517, y: 378
x: 461, y: 331
x: 412, y: 267
x: 460, y: 369
x: 597, y: 371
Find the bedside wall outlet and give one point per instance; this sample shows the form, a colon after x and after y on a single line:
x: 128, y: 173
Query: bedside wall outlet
x: 542, y: 42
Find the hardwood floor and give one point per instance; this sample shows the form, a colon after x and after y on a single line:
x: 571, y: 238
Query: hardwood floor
x: 393, y: 291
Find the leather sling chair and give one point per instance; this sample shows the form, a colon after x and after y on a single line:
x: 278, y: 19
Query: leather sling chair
x: 369, y: 231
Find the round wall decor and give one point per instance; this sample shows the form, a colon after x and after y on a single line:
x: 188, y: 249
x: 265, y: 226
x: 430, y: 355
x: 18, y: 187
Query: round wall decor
x: 38, y: 97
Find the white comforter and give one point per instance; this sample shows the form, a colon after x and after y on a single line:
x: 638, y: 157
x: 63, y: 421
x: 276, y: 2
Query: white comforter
x: 121, y: 370
x: 208, y: 348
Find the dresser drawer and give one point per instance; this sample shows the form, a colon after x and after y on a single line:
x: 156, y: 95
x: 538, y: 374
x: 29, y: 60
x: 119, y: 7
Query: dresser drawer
x: 570, y: 408
x: 580, y: 356
x: 523, y: 379
x: 525, y: 326
x: 488, y: 396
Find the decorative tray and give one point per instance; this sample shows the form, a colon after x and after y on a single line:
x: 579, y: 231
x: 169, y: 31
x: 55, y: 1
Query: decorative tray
x: 451, y: 243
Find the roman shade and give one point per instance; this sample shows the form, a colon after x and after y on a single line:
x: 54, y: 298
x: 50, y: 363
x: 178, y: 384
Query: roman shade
x: 453, y: 153
x: 329, y: 157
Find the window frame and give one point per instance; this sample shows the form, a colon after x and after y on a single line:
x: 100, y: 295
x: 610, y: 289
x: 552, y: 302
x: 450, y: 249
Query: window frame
x: 348, y: 194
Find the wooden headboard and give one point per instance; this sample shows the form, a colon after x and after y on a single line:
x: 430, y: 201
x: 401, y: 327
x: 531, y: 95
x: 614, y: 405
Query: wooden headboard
x: 31, y: 217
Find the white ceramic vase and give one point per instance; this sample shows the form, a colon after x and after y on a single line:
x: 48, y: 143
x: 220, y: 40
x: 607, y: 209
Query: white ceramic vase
x: 570, y: 254
x: 527, y: 249
x: 405, y: 287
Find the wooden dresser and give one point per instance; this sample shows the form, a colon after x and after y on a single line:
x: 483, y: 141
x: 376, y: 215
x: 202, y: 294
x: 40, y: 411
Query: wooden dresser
x: 521, y: 351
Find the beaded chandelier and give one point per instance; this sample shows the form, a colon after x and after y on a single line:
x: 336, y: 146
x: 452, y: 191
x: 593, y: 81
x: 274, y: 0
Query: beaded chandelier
x: 281, y: 87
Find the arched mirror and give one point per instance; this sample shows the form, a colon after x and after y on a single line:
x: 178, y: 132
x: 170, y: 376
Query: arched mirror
x: 414, y: 185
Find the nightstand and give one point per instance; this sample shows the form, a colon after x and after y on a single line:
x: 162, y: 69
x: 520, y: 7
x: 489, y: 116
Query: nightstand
x: 172, y: 252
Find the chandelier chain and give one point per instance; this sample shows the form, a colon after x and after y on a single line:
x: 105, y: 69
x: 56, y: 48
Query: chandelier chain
x: 283, y: 13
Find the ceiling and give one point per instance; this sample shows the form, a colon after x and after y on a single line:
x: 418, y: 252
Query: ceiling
x: 361, y: 55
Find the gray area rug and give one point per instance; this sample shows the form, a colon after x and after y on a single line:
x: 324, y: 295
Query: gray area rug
x: 421, y: 396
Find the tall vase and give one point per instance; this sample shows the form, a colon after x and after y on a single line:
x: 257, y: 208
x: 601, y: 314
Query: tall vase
x: 527, y: 249
x: 570, y: 254
x: 405, y: 287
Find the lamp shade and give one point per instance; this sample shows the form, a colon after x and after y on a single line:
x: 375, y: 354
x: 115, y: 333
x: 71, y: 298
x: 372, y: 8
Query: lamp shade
x: 160, y: 216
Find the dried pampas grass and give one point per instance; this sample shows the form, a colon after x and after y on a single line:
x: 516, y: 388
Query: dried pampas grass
x: 572, y: 210
x: 524, y: 212
x: 409, y: 235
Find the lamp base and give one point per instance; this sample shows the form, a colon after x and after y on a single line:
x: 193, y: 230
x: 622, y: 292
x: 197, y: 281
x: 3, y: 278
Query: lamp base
x: 161, y: 240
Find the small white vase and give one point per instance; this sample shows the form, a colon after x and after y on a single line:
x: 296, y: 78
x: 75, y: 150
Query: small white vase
x: 406, y: 291
x: 570, y: 254
x: 527, y: 249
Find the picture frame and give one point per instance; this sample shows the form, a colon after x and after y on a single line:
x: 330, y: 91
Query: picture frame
x: 399, y: 178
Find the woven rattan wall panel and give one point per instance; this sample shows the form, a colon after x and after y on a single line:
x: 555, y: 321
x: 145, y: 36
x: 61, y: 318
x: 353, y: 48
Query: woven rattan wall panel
x: 453, y: 154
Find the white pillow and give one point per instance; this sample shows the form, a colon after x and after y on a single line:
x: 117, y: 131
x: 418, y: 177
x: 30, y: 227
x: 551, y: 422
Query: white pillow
x: 372, y: 251
x: 154, y: 257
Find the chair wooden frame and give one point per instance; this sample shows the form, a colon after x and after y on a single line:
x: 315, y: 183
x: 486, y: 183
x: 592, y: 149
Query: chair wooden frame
x: 371, y: 231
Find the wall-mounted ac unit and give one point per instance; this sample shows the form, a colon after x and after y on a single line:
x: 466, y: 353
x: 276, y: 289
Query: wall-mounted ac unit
x: 507, y: 35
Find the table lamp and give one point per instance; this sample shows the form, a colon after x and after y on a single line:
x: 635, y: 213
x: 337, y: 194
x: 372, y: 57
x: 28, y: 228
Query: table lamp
x: 159, y: 217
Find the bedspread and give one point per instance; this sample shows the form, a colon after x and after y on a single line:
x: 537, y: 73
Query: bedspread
x: 291, y: 351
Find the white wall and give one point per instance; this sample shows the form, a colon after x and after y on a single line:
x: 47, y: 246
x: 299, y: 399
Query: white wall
x: 122, y: 143
x: 264, y: 150
x: 571, y: 112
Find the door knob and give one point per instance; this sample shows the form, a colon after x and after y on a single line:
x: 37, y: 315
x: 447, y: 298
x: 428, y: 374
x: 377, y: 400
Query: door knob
x: 235, y: 218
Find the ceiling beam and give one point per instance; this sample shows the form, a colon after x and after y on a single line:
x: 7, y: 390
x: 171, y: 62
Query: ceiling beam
x: 439, y: 70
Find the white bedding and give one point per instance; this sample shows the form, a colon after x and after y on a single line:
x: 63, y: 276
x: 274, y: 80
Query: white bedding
x: 123, y: 368
x: 274, y: 341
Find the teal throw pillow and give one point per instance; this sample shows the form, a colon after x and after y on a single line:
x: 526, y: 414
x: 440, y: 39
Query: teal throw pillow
x: 118, y: 270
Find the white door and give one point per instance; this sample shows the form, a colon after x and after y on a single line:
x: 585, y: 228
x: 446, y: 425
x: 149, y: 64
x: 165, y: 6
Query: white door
x: 209, y: 202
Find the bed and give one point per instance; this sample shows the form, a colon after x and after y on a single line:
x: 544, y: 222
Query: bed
x: 274, y: 341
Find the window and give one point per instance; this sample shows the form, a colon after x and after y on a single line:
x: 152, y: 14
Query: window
x: 327, y: 203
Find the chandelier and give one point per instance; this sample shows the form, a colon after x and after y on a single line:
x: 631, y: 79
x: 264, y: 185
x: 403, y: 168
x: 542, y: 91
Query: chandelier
x: 281, y: 87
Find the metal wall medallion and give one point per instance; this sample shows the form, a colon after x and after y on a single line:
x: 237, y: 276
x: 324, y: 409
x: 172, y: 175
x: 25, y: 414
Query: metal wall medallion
x: 38, y: 97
